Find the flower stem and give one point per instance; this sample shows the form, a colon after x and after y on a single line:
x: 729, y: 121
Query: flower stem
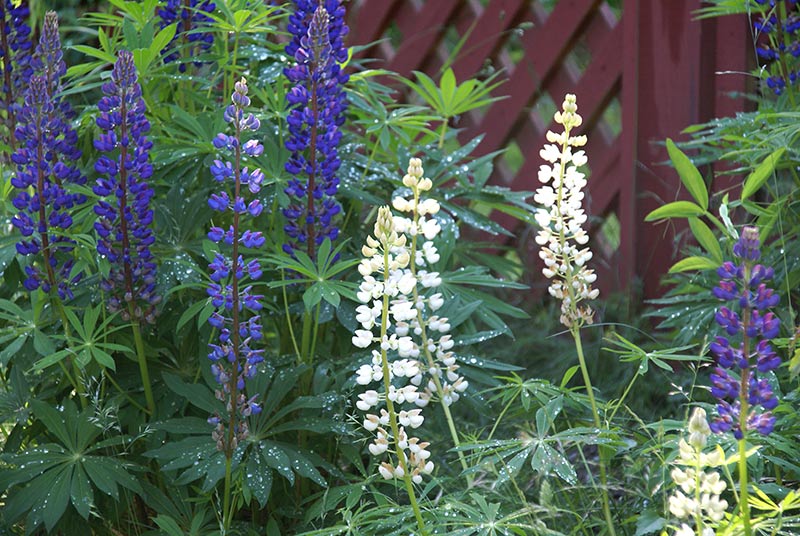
x: 576, y: 335
x: 142, y: 359
x: 226, y: 498
x: 401, y: 457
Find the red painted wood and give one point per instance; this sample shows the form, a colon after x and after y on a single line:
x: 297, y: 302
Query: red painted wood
x: 657, y: 60
x: 369, y: 20
x: 544, y: 49
x: 428, y: 27
x: 489, y: 32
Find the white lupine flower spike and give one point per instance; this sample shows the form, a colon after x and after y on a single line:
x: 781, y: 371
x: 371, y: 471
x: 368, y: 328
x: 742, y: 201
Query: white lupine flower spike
x: 399, y: 298
x: 698, y: 498
x: 561, y: 218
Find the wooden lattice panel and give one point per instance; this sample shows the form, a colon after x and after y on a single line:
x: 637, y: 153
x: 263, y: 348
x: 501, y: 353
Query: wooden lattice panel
x: 585, y: 47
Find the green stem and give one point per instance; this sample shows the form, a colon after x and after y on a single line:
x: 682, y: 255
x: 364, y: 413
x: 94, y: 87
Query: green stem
x: 401, y: 457
x: 226, y: 498
x: 142, y: 358
x: 576, y: 335
x: 68, y: 334
x: 444, y: 131
x: 744, y: 494
x: 289, y: 318
x: 124, y: 393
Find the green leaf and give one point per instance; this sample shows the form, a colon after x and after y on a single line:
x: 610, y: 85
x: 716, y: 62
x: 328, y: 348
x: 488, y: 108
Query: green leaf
x: 53, y: 421
x: 694, y: 263
x: 259, y: 479
x: 759, y: 176
x: 689, y: 174
x: 162, y: 38
x: 81, y: 493
x: 676, y: 209
x: 168, y: 525
x: 95, y: 53
x: 11, y: 349
x: 705, y: 237
x: 57, y: 498
x: 196, y: 394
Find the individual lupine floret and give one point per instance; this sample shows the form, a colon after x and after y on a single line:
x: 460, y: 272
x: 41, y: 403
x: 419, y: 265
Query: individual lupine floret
x: 45, y: 160
x: 698, y: 498
x: 562, y: 237
x: 190, y: 16
x: 235, y: 357
x: 125, y: 218
x: 317, y: 104
x: 15, y: 37
x: 387, y: 251
x: 744, y: 284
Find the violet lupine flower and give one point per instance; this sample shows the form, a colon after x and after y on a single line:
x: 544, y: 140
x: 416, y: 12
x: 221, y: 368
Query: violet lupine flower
x: 48, y: 62
x: 317, y: 103
x: 750, y: 394
x: 784, y: 46
x: 124, y: 220
x: 190, y: 15
x: 15, y: 50
x: 45, y: 161
x: 231, y: 289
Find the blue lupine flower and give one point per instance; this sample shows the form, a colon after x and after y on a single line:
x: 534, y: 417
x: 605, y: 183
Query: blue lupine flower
x: 45, y: 160
x: 317, y: 105
x: 743, y: 284
x: 189, y: 18
x: 237, y: 319
x: 124, y: 223
x: 15, y: 54
x: 784, y: 47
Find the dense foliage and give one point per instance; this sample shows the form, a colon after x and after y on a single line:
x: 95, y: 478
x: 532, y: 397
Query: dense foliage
x: 241, y: 294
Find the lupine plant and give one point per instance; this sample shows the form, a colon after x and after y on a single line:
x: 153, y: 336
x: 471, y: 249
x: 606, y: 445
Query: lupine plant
x: 401, y: 252
x: 15, y: 49
x: 153, y: 281
x: 317, y: 106
x: 190, y: 16
x: 45, y: 162
x: 745, y: 396
x: 235, y: 358
x: 125, y: 217
x: 563, y: 242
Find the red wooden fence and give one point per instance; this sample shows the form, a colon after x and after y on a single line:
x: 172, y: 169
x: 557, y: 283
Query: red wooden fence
x: 645, y: 64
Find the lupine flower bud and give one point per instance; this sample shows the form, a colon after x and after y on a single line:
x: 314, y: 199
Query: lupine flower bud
x: 317, y: 106
x: 561, y: 219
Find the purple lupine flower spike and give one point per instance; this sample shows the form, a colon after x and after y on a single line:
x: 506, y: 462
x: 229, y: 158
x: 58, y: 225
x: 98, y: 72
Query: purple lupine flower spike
x: 190, y: 15
x: 124, y: 224
x: 15, y: 50
x: 231, y: 290
x: 786, y: 44
x: 317, y: 105
x: 743, y: 285
x: 45, y: 160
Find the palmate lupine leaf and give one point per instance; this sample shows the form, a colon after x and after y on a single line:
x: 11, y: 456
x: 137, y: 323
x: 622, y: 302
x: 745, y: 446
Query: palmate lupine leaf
x: 42, y: 481
x: 263, y: 453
